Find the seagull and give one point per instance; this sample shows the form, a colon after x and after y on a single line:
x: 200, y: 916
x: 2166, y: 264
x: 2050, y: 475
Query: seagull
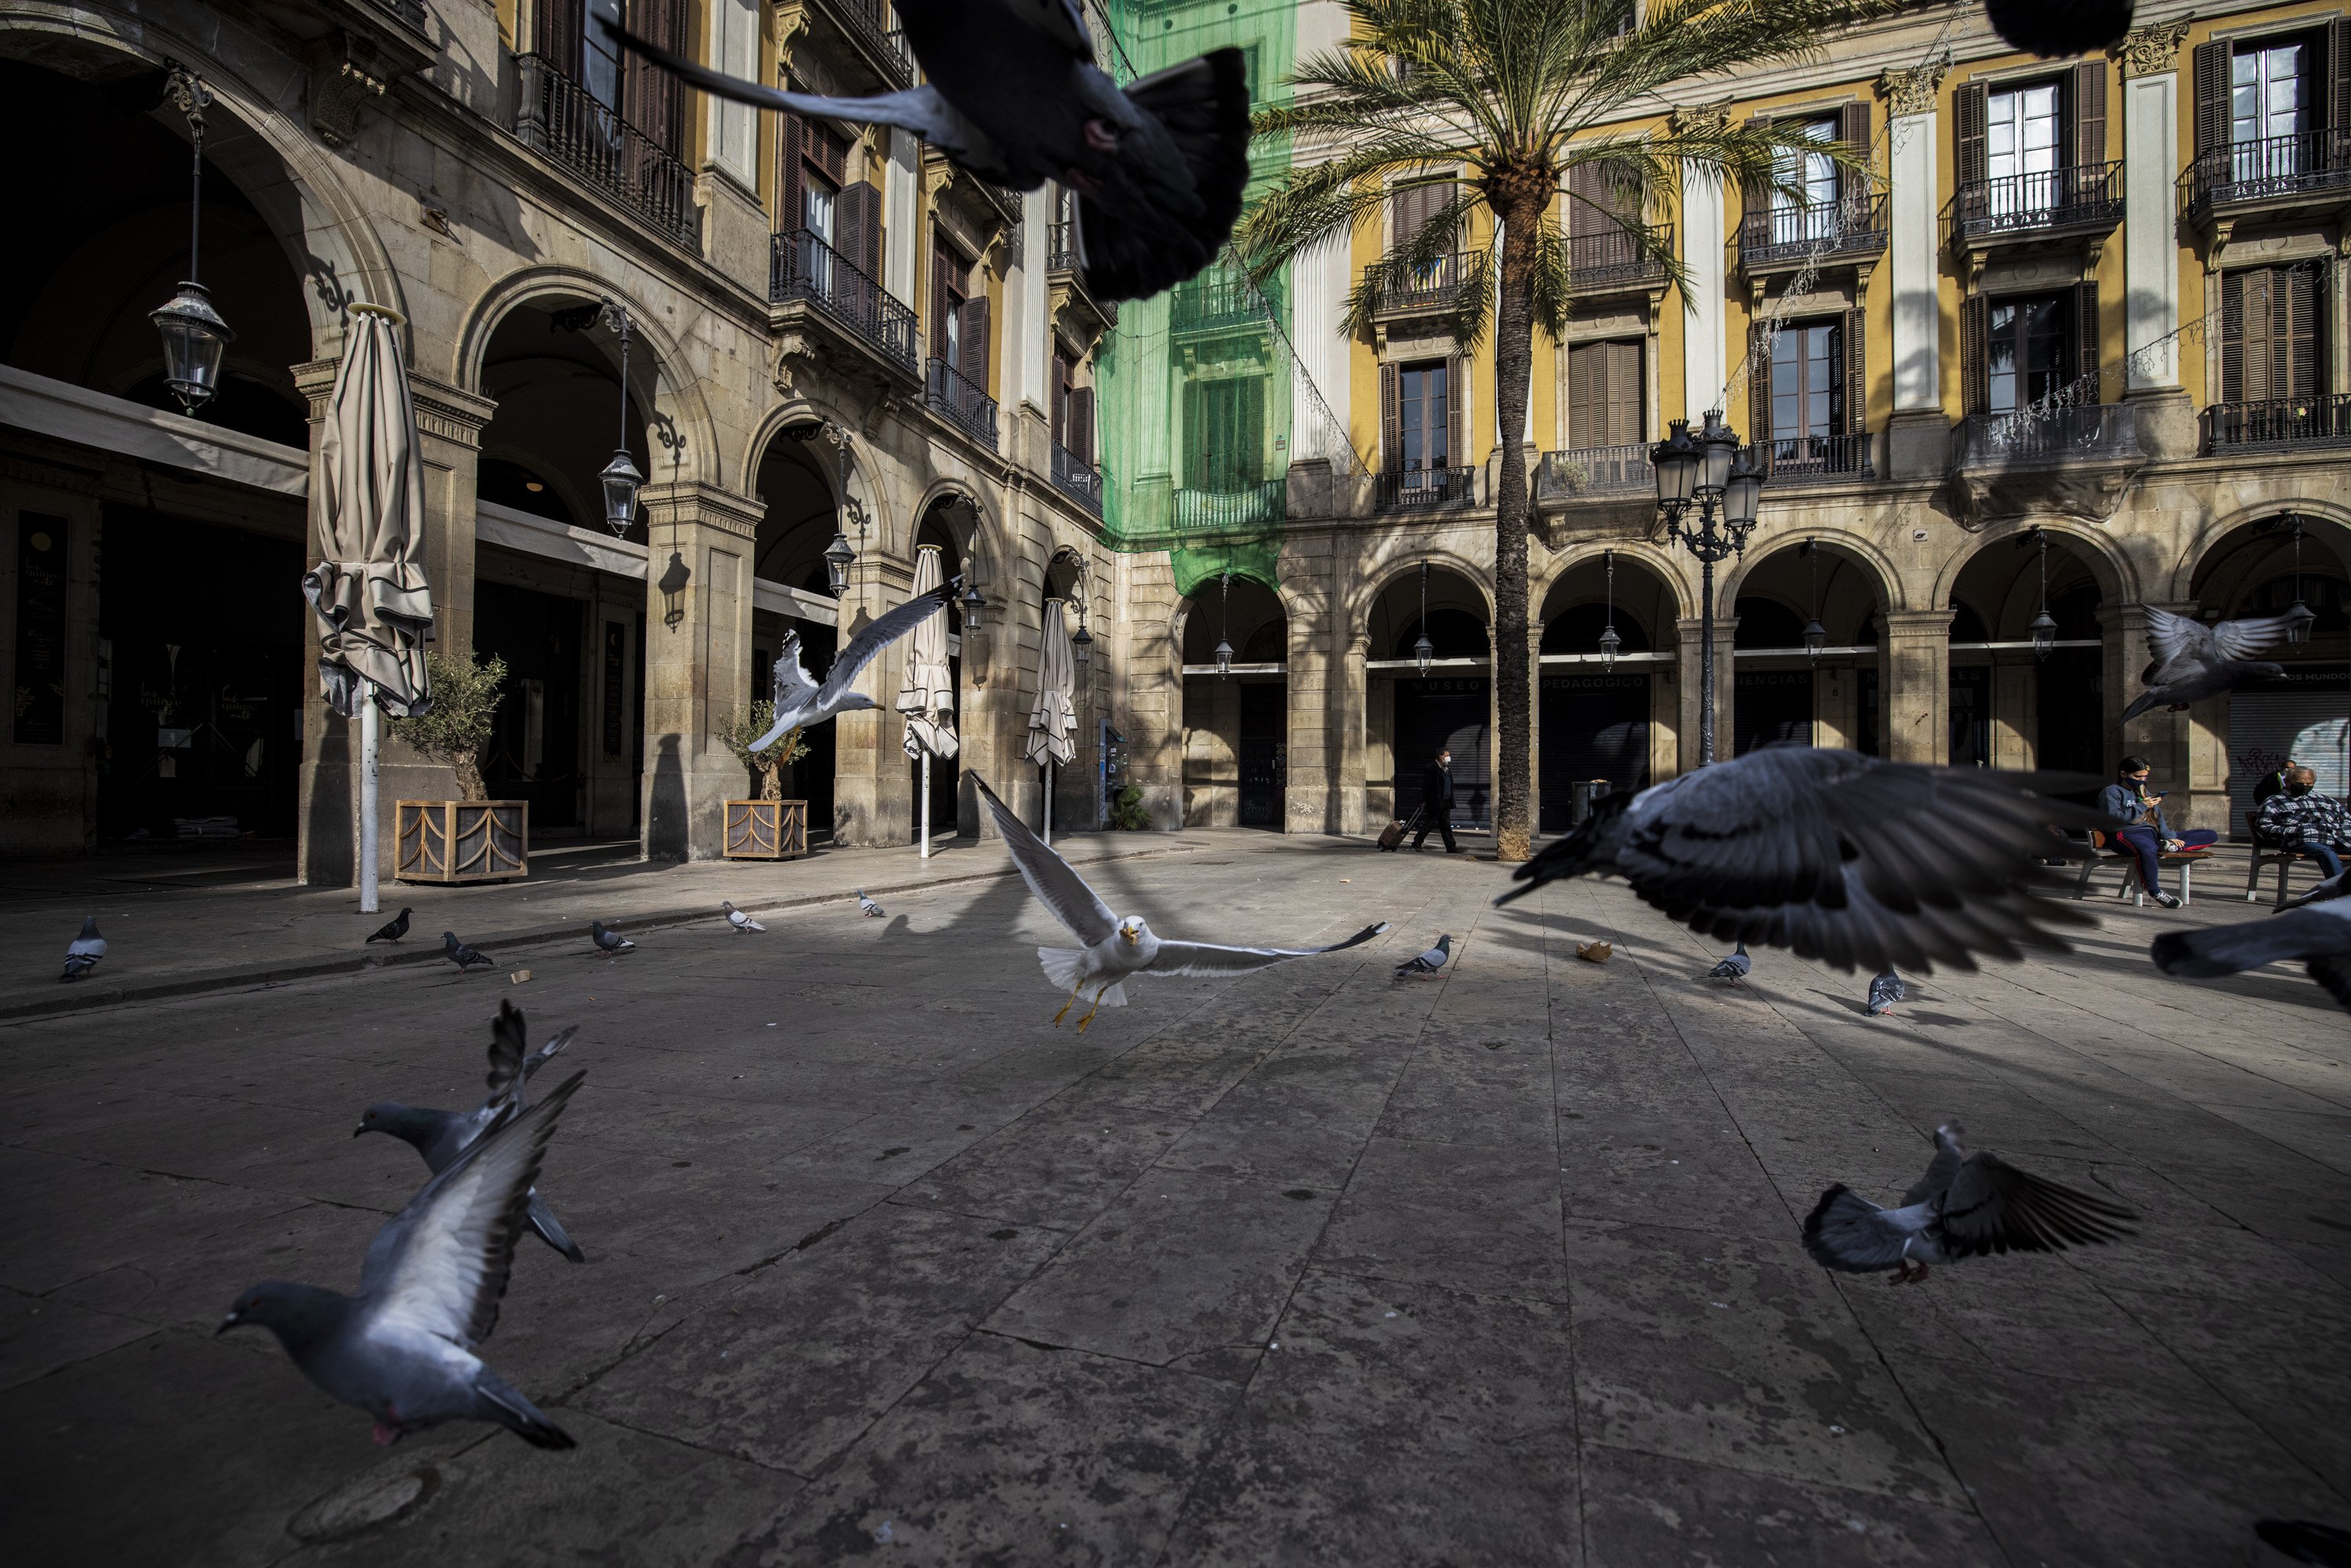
x: 1014, y: 96
x: 1884, y: 992
x: 441, y: 1135
x: 392, y: 930
x: 402, y: 1348
x: 2305, y: 1541
x: 800, y: 702
x: 737, y: 919
x: 1732, y: 967
x: 1427, y: 962
x: 2054, y: 28
x: 464, y: 957
x: 84, y: 951
x: 612, y: 944
x: 1118, y: 947
x: 2194, y: 660
x: 2317, y: 934
x: 1843, y: 858
x: 1967, y: 1204
x: 867, y: 907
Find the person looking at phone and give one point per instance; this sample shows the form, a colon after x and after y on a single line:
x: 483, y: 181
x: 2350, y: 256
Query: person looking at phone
x: 2141, y: 826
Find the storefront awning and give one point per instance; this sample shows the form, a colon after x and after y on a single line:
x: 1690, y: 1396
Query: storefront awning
x: 68, y: 413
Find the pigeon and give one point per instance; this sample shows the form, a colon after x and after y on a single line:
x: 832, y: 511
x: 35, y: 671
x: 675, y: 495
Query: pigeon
x: 2194, y: 660
x: 612, y: 944
x: 84, y: 951
x: 2318, y: 935
x: 1886, y: 990
x: 800, y: 702
x: 403, y: 1347
x: 1733, y: 967
x: 2305, y: 1541
x: 1968, y: 1203
x: 2056, y: 29
x: 867, y: 907
x: 464, y: 957
x: 1595, y: 952
x: 1427, y: 962
x: 441, y: 1135
x: 737, y: 919
x: 1013, y: 94
x: 1116, y: 948
x: 392, y: 930
x: 2335, y: 886
x: 1859, y: 863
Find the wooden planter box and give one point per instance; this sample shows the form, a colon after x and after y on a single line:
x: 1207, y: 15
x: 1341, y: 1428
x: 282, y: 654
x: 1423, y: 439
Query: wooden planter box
x: 766, y: 829
x: 462, y: 841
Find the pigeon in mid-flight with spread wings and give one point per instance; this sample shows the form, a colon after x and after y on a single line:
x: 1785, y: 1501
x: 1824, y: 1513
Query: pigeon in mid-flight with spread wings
x: 1118, y: 947
x: 2194, y: 660
x: 1013, y: 94
x: 801, y: 702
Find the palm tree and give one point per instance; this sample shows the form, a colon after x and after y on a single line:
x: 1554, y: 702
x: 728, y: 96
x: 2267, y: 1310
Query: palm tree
x: 1515, y: 93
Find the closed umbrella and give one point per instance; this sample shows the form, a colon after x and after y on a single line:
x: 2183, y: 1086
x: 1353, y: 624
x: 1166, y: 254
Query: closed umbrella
x: 1054, y: 720
x: 927, y: 695
x: 374, y: 608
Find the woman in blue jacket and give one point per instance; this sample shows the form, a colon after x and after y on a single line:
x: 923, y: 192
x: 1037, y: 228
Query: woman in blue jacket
x: 2139, y: 823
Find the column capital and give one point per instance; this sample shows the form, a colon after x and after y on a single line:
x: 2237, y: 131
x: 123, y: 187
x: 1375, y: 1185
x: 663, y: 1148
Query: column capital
x: 2152, y: 51
x: 1918, y: 625
x: 1911, y: 89
x: 669, y: 505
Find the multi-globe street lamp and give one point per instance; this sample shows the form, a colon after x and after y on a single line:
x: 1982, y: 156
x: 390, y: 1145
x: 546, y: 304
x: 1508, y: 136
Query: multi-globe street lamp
x: 1711, y: 474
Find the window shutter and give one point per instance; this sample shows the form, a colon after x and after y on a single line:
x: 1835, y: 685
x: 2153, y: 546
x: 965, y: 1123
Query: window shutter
x: 2086, y: 351
x: 975, y: 342
x: 1457, y: 429
x: 651, y: 98
x: 1082, y: 424
x: 1855, y: 134
x: 1856, y: 372
x: 1059, y: 406
x: 1975, y: 355
x: 942, y: 273
x: 2209, y: 69
x: 1391, y: 421
x: 792, y: 199
x: 1586, y: 382
x: 1587, y: 198
x: 858, y: 228
x: 2089, y: 107
x: 1758, y: 386
x: 2298, y: 297
x: 1969, y: 115
x: 555, y: 35
x: 2234, y: 342
x: 1622, y: 393
x: 2338, y: 68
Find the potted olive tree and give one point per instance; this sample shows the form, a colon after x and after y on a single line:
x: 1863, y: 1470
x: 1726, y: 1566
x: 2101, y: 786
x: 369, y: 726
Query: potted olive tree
x: 472, y: 837
x: 769, y: 828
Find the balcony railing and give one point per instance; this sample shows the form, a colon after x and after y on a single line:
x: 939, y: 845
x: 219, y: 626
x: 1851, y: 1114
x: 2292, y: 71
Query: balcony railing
x: 964, y: 401
x: 2285, y: 422
x: 1616, y: 259
x: 803, y: 267
x: 409, y: 11
x: 1596, y: 471
x: 1061, y: 248
x: 2086, y: 198
x: 2273, y: 170
x: 1220, y: 300
x: 1077, y: 478
x: 1854, y: 223
x: 1803, y: 459
x: 1231, y: 504
x: 864, y: 20
x: 560, y: 117
x: 1429, y: 289
x: 1412, y: 489
x: 2090, y: 432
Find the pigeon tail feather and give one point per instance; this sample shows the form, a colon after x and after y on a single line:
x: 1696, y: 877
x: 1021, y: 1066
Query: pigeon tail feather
x: 505, y: 1405
x: 1837, y: 1222
x: 551, y: 1231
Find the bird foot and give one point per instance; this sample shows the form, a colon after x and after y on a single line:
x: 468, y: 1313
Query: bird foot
x: 1909, y: 1273
x: 1102, y: 136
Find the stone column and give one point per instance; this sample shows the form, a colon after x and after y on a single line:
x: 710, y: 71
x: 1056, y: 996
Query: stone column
x: 2167, y: 419
x: 1917, y: 438
x: 1349, y: 707
x: 2015, y: 685
x: 697, y: 662
x: 1918, y: 657
x: 1691, y: 680
x: 872, y: 790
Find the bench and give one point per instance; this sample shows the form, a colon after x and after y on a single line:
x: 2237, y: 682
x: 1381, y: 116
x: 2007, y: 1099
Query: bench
x: 2268, y: 854
x: 2111, y: 848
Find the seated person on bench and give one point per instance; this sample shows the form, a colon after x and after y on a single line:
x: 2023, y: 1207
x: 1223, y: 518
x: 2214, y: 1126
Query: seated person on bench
x: 2299, y: 817
x: 2140, y: 828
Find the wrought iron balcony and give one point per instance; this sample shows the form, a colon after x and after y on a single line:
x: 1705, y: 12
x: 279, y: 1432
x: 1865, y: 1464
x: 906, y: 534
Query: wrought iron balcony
x: 1061, y: 248
x: 863, y: 21
x: 412, y: 12
x: 961, y: 401
x: 1077, y: 478
x: 1818, y: 459
x: 1783, y: 238
x: 2054, y: 203
x: 562, y: 118
x: 1416, y: 490
x: 1228, y: 504
x: 801, y: 266
x: 1598, y: 262
x: 1430, y: 291
x: 2091, y: 433
x: 2280, y: 423
x: 1220, y: 300
x: 2270, y: 174
x: 1596, y: 471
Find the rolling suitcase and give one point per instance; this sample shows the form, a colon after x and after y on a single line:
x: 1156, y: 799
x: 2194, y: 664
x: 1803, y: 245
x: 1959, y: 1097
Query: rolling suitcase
x: 1393, y: 834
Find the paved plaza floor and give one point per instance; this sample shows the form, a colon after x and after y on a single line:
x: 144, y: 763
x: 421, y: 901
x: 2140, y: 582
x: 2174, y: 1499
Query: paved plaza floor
x: 1309, y: 1267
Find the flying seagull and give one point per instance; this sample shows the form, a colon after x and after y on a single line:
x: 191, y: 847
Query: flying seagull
x: 392, y: 930
x: 2306, y: 1540
x: 1115, y: 947
x: 1427, y: 962
x: 1734, y: 965
x: 1886, y: 990
x: 800, y: 702
x: 441, y: 1135
x: 84, y: 951
x: 464, y: 957
x: 1843, y: 858
x: 2317, y: 934
x: 2054, y: 28
x: 1013, y: 94
x: 1968, y: 1203
x: 402, y: 1348
x: 867, y: 907
x: 612, y: 944
x: 2194, y: 660
x: 737, y: 919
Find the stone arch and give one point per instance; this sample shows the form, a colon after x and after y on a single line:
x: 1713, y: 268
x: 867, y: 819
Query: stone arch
x: 2115, y: 577
x: 982, y: 543
x: 2328, y: 523
x: 1860, y: 548
x: 1660, y: 562
x: 1381, y: 576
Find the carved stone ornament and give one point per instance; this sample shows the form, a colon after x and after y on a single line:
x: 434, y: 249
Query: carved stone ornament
x: 1911, y: 89
x: 344, y: 74
x: 2154, y: 49
x: 1703, y: 119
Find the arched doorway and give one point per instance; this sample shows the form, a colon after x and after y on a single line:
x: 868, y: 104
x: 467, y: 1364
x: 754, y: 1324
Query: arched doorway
x: 946, y: 522
x: 1236, y: 724
x: 1779, y: 690
x: 1449, y: 706
x: 2009, y: 708
x: 1078, y: 786
x: 1603, y: 718
x: 796, y: 481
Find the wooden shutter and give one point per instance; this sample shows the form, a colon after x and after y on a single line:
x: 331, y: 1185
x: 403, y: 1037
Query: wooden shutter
x: 2089, y: 105
x: 2296, y: 350
x: 2269, y: 325
x: 2209, y: 68
x: 975, y: 342
x: 1587, y: 385
x: 2338, y: 70
x: 1456, y: 404
x: 1059, y: 415
x: 860, y: 227
x: 555, y: 35
x: 1586, y: 197
x: 792, y: 208
x: 1970, y: 114
x: 2086, y: 351
x: 1856, y: 372
x: 1975, y: 355
x: 1854, y: 132
x: 942, y: 272
x: 651, y: 98
x: 1082, y: 424
x: 1628, y: 392
x: 1759, y: 385
x: 1391, y: 421
x: 2237, y: 350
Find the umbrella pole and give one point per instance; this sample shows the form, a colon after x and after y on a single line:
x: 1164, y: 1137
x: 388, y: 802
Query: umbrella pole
x: 926, y: 803
x: 1048, y: 800
x: 369, y: 899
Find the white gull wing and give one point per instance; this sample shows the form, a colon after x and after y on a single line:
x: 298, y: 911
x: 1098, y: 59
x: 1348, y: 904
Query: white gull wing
x: 794, y: 686
x: 879, y: 633
x: 1207, y: 959
x: 1057, y: 885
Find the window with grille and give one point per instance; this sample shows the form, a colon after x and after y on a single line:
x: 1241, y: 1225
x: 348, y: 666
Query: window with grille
x: 2029, y: 349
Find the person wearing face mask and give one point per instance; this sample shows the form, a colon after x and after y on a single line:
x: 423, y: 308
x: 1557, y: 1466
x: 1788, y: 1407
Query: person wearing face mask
x: 2140, y: 826
x: 2300, y: 819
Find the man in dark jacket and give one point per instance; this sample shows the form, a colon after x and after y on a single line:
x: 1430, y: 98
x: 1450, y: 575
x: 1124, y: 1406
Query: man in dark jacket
x: 1437, y: 801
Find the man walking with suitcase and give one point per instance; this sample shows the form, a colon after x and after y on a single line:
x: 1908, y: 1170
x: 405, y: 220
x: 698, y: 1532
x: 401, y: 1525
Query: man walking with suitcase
x: 1437, y: 801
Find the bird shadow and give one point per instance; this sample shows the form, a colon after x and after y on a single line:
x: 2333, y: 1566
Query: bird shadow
x: 898, y: 926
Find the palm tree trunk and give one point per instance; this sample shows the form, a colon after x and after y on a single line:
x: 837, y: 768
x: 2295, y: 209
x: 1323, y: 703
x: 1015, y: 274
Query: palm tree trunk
x: 1514, y: 353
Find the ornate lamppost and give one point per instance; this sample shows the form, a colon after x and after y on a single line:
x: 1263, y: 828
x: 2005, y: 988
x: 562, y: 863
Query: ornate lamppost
x: 1712, y: 474
x: 620, y: 478
x: 195, y: 336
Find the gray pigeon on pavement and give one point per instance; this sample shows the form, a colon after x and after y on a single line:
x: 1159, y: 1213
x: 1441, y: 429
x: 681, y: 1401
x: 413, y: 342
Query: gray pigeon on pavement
x: 1427, y: 962
x: 1886, y: 990
x: 2317, y: 934
x: 737, y: 919
x: 1013, y: 94
x: 2305, y: 1541
x: 801, y: 702
x: 441, y: 1135
x: 867, y: 907
x: 1857, y: 862
x: 464, y: 957
x: 392, y: 930
x: 2194, y: 660
x: 612, y: 944
x: 1733, y: 967
x: 1969, y: 1203
x: 403, y: 1347
x: 84, y: 951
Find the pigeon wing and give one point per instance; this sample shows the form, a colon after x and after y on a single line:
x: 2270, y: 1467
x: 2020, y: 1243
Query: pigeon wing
x: 2243, y: 639
x: 509, y: 1040
x: 2314, y: 933
x: 440, y: 1265
x: 1207, y: 959
x: 1056, y: 887
x: 2168, y: 636
x: 1993, y: 1206
x: 1940, y: 1171
x: 879, y: 633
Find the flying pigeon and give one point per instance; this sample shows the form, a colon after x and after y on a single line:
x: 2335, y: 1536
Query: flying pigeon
x: 1012, y: 95
x: 612, y: 944
x: 1116, y: 948
x: 392, y: 930
x: 464, y: 957
x: 2318, y: 935
x: 2335, y: 886
x: 800, y: 702
x: 737, y: 919
x: 2054, y: 28
x: 1967, y: 1204
x: 2194, y: 660
x: 867, y: 907
x: 1843, y: 858
x: 84, y: 951
x: 402, y: 1348
x: 2305, y: 1541
x: 1427, y: 962
x: 1886, y: 990
x: 1732, y: 967
x: 441, y: 1135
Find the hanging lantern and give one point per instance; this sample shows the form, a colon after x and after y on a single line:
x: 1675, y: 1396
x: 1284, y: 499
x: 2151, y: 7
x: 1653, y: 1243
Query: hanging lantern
x: 1424, y: 651
x: 1224, y: 643
x: 2044, y: 626
x: 2300, y: 618
x: 621, y: 481
x: 1609, y: 640
x: 837, y: 557
x: 1082, y: 645
x: 1816, y: 636
x: 195, y: 336
x: 975, y: 609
